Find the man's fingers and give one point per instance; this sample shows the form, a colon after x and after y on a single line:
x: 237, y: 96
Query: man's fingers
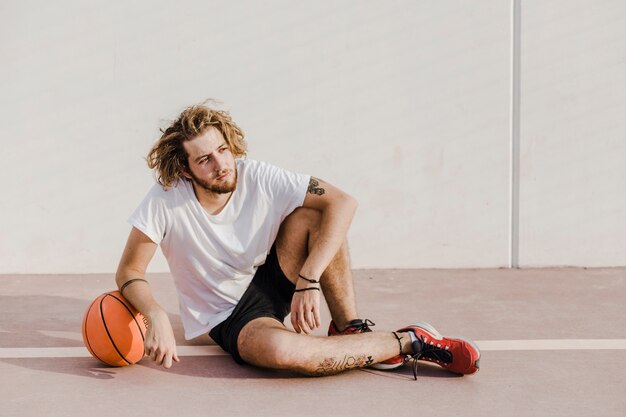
x: 310, y: 320
x: 294, y: 317
x: 305, y: 316
x: 318, y: 320
x: 294, y: 323
x: 167, y: 361
x: 302, y: 322
x: 148, y: 349
x: 160, y: 357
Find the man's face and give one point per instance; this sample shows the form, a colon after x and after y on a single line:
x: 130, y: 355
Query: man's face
x: 211, y: 163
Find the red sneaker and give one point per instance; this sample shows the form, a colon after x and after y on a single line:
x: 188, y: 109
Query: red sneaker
x: 362, y: 326
x: 459, y: 355
x: 354, y: 326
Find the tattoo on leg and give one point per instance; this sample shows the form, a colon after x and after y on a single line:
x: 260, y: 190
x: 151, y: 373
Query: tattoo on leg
x: 314, y: 187
x: 330, y: 366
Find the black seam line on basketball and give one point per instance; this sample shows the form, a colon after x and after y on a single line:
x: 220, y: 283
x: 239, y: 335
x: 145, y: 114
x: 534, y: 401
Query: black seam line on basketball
x: 90, y: 349
x: 107, y: 330
x: 132, y: 315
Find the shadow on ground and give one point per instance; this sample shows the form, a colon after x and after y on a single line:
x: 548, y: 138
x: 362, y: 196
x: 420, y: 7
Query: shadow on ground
x: 57, y: 323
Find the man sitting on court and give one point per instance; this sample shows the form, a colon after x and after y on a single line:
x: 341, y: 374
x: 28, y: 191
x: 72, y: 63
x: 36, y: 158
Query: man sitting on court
x: 248, y: 243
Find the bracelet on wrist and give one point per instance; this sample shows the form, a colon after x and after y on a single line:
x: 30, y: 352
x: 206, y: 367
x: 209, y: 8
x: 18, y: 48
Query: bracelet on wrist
x: 307, y: 289
x: 312, y: 281
x: 127, y: 283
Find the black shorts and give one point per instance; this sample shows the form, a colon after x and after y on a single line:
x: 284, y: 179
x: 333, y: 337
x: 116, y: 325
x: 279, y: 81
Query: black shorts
x: 269, y: 295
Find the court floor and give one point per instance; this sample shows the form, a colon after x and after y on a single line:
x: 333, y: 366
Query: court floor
x: 553, y: 343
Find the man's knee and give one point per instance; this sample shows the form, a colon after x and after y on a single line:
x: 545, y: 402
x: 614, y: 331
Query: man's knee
x: 263, y: 343
x: 295, y: 237
x: 303, y: 218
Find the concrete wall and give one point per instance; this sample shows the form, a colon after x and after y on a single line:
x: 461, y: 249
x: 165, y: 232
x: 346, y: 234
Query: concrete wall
x: 404, y: 104
x: 573, y: 133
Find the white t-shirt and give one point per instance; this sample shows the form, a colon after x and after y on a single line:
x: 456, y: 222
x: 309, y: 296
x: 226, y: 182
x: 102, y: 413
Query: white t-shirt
x: 213, y: 258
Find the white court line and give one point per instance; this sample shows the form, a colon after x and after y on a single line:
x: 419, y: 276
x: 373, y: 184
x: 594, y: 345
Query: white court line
x: 552, y: 344
x: 484, y: 345
x: 81, y: 352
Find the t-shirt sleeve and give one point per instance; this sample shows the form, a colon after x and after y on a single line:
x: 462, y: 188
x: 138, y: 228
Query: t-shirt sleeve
x: 285, y: 188
x: 151, y: 217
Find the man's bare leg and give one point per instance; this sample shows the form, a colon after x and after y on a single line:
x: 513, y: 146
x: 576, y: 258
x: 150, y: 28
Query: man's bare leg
x: 296, y: 236
x: 266, y: 343
x: 338, y: 288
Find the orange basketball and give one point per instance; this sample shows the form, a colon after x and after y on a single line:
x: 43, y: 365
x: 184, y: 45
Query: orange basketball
x: 113, y: 331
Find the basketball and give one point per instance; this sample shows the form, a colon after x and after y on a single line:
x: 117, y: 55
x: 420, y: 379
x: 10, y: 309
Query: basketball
x: 113, y: 331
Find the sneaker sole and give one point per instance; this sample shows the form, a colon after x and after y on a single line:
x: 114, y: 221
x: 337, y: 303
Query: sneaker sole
x: 386, y: 367
x: 430, y: 329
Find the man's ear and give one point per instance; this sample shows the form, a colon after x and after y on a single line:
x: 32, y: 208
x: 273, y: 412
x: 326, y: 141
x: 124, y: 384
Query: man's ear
x: 185, y: 172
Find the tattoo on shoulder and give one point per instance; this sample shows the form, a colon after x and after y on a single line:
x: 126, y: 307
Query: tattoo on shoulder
x: 314, y: 187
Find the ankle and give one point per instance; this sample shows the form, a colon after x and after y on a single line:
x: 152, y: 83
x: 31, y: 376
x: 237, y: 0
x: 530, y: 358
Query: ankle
x: 407, y: 343
x: 342, y: 325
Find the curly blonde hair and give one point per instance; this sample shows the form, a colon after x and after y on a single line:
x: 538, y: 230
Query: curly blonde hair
x: 168, y: 156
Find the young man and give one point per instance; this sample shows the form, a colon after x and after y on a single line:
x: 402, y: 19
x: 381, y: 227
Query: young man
x: 248, y: 243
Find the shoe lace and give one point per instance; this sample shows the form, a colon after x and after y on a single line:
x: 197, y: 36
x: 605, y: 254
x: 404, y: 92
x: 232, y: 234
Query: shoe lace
x: 426, y: 350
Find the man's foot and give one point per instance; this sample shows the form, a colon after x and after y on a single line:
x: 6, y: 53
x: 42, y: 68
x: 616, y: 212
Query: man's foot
x: 459, y: 355
x: 363, y: 326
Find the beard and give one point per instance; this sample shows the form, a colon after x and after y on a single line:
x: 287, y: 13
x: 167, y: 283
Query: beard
x: 218, y: 188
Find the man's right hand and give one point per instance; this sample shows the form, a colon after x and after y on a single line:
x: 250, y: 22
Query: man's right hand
x: 159, y: 343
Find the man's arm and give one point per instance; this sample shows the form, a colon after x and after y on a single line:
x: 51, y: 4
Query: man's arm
x: 159, y: 342
x: 337, y: 209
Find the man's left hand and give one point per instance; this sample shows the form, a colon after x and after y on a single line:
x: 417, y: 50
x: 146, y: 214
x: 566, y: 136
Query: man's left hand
x: 305, y: 311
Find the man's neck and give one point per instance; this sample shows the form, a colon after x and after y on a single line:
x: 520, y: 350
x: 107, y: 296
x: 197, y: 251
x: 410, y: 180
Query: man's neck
x: 212, y: 203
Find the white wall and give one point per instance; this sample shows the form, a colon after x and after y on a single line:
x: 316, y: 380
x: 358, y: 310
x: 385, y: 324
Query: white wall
x: 573, y: 136
x: 404, y: 104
